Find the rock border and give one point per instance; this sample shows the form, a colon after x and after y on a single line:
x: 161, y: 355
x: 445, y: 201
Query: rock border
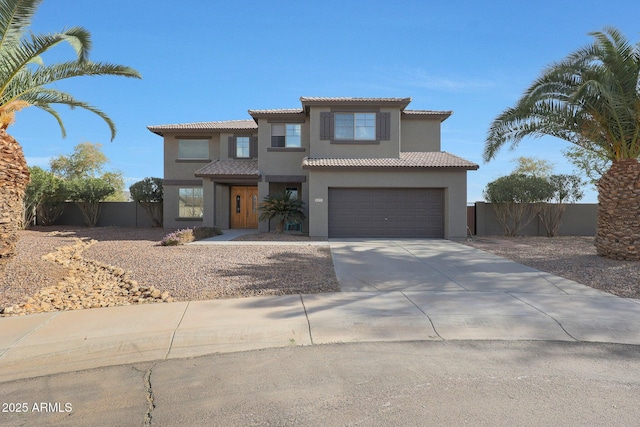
x: 88, y: 284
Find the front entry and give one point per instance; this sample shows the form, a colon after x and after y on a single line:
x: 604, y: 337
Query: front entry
x: 244, y: 207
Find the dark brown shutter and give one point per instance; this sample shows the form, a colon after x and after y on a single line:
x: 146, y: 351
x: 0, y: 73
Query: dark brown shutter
x: 232, y: 147
x: 253, y: 147
x: 383, y: 126
x: 326, y: 125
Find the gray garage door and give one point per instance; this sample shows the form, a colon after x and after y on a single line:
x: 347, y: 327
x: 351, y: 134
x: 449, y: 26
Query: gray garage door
x: 386, y: 212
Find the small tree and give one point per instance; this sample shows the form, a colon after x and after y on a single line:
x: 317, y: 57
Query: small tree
x: 53, y: 202
x: 44, y: 198
x: 282, y: 208
x: 87, y: 193
x: 591, y: 162
x: 566, y: 189
x: 533, y: 166
x: 517, y: 199
x: 34, y: 193
x: 149, y: 193
x: 88, y: 161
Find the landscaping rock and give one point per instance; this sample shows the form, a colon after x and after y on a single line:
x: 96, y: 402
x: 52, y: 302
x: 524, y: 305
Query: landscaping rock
x: 88, y: 284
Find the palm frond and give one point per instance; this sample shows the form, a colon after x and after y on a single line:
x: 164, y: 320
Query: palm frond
x: 15, y: 18
x: 24, y: 78
x: 14, y: 60
x: 591, y: 98
x: 43, y: 98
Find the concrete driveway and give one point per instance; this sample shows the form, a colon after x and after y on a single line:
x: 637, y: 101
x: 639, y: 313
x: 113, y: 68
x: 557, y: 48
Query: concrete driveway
x: 465, y: 293
x: 392, y: 291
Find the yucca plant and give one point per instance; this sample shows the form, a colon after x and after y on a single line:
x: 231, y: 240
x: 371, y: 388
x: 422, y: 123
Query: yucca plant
x: 25, y: 81
x: 282, y: 208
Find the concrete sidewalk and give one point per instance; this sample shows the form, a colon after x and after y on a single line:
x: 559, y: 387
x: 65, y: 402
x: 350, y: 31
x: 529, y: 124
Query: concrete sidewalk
x: 392, y: 291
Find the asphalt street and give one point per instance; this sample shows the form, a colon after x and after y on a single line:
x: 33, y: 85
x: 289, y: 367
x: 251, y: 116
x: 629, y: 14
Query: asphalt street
x: 479, y: 383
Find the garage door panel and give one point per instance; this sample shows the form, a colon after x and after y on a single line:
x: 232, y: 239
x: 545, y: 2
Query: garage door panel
x: 386, y: 212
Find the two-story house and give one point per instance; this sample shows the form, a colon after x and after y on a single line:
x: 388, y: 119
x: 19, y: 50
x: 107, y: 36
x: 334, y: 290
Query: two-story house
x: 364, y: 167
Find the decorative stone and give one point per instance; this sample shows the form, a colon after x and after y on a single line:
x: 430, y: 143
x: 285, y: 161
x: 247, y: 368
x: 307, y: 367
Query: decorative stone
x: 88, y: 284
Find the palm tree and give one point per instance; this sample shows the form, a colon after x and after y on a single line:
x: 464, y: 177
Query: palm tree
x: 283, y: 208
x: 591, y: 99
x: 24, y: 82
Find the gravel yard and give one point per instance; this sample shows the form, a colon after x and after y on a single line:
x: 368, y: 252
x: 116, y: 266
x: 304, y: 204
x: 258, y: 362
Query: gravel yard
x: 203, y: 272
x: 573, y: 258
x: 186, y: 272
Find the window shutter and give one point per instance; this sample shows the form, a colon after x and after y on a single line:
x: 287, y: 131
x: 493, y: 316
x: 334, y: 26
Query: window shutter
x: 253, y: 147
x: 232, y: 147
x: 326, y: 125
x: 383, y: 126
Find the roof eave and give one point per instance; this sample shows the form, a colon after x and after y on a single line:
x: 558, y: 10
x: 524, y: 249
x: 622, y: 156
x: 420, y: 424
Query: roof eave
x: 441, y: 115
x: 320, y: 101
x: 227, y: 176
x: 378, y: 168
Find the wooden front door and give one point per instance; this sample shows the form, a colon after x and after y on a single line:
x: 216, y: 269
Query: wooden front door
x: 244, y: 207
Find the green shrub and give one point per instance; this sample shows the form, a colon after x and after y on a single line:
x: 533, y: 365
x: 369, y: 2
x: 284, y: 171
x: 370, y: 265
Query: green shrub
x: 282, y: 208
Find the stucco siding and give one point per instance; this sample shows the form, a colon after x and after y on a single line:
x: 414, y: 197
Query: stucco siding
x: 175, y: 168
x: 280, y: 161
x: 420, y: 135
x: 381, y: 149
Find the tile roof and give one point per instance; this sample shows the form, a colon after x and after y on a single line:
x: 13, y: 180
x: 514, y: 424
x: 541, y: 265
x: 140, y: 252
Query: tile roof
x: 230, y: 168
x: 277, y: 111
x: 217, y: 126
x: 436, y: 159
x: 310, y: 100
x: 304, y: 99
x: 442, y: 115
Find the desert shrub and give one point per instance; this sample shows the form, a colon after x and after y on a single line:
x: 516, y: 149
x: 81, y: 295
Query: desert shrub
x: 87, y: 193
x: 149, y: 193
x: 44, y: 198
x: 187, y: 235
x: 517, y: 199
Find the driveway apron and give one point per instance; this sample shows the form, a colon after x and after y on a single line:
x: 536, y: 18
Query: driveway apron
x: 466, y: 293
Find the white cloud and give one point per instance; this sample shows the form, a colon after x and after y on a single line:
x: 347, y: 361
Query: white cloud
x: 419, y: 78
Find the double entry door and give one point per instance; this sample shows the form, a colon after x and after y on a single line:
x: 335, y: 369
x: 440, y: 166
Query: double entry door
x: 244, y: 207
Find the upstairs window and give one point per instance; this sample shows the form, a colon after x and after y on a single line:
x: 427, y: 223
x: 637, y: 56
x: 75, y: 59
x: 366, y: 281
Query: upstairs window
x: 193, y: 149
x: 243, y: 147
x: 355, y: 126
x: 286, y: 135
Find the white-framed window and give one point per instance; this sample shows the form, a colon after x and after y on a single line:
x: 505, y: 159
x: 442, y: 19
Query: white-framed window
x: 193, y: 149
x: 355, y: 126
x: 286, y: 135
x: 243, y: 147
x: 190, y: 202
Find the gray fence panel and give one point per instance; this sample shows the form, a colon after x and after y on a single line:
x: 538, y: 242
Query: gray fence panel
x: 112, y: 214
x: 578, y: 220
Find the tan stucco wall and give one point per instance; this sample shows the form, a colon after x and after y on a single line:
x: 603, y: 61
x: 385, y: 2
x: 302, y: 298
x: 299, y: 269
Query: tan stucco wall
x: 454, y: 183
x: 280, y: 162
x: 420, y: 135
x: 176, y: 169
x: 383, y: 149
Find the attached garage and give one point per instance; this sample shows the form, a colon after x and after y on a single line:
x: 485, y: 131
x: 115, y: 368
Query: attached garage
x: 386, y: 212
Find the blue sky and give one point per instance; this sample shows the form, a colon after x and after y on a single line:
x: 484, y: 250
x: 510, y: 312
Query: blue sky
x: 206, y: 60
